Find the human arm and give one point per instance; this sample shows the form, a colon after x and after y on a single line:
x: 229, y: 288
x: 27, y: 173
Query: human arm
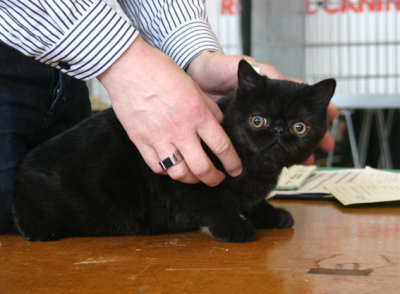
x: 131, y: 71
x: 82, y: 38
x: 163, y: 110
x: 180, y: 30
x: 197, y: 51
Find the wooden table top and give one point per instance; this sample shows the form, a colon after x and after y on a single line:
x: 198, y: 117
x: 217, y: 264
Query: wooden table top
x: 331, y: 249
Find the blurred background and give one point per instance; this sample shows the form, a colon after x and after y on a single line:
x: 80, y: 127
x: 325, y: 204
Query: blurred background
x: 357, y: 42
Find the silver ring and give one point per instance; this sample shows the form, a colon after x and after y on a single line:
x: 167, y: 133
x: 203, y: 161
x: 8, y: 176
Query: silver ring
x: 171, y: 160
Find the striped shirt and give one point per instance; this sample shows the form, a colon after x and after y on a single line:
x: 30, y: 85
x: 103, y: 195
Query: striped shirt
x: 83, y: 38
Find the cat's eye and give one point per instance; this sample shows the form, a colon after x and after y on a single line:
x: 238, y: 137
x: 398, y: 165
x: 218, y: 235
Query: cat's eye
x: 259, y: 121
x: 299, y: 128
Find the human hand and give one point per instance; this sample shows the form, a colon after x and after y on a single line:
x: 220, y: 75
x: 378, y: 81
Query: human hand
x: 216, y: 74
x: 327, y: 143
x: 163, y: 110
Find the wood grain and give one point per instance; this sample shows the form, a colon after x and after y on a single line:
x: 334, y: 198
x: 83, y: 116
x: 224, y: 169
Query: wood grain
x: 323, y: 253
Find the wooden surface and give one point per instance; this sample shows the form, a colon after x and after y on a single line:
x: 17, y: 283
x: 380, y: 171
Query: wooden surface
x: 331, y: 249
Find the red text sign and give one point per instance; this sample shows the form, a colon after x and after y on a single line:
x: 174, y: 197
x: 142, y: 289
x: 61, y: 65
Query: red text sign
x: 343, y: 6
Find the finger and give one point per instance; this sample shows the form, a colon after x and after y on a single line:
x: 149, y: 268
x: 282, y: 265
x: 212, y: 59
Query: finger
x: 199, y: 163
x: 215, y: 110
x: 180, y: 170
x: 327, y: 143
x: 151, y: 158
x: 332, y: 111
x: 310, y: 160
x: 182, y: 173
x: 218, y: 141
x: 271, y: 72
x: 214, y: 97
x: 294, y: 80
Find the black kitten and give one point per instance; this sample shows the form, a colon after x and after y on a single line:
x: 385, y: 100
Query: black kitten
x: 92, y: 181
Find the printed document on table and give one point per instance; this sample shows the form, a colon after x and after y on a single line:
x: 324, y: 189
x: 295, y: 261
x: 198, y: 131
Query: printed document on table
x: 371, y: 186
x: 349, y: 186
x: 317, y: 183
x: 364, y: 192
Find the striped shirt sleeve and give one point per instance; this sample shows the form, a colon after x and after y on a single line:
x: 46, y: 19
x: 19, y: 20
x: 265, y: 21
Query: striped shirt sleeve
x: 80, y: 37
x: 178, y: 28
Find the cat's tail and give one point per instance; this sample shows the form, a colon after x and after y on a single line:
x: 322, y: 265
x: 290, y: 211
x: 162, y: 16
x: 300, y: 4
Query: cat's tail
x: 29, y: 222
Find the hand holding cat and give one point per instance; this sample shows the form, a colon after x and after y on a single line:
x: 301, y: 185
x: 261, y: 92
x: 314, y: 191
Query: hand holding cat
x: 216, y: 74
x: 163, y: 110
x: 327, y: 143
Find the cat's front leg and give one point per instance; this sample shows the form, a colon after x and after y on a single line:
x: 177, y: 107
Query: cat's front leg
x: 232, y: 228
x: 265, y: 216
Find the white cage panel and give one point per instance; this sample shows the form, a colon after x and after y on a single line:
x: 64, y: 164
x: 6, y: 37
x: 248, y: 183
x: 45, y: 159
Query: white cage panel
x: 357, y: 42
x: 224, y: 17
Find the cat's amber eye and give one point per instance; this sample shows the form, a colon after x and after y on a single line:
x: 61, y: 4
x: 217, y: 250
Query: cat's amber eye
x: 259, y: 121
x: 299, y: 128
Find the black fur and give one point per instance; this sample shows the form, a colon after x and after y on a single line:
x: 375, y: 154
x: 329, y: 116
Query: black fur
x: 92, y: 181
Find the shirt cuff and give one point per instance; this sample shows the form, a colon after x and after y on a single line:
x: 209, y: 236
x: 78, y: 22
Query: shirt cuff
x: 89, y: 47
x: 188, y: 41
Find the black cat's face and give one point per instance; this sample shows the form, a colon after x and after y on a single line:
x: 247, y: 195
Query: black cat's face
x: 279, y: 123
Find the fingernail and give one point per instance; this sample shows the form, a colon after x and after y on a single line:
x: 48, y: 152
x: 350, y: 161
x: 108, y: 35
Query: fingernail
x: 237, y: 172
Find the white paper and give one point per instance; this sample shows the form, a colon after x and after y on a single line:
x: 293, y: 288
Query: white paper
x: 372, y: 185
x: 316, y: 183
x: 359, y: 193
x: 351, y: 186
x: 294, y: 177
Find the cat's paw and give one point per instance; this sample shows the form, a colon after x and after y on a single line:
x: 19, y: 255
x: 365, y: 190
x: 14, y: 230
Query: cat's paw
x: 282, y: 219
x: 265, y: 216
x: 38, y: 233
x: 43, y: 237
x: 234, y: 230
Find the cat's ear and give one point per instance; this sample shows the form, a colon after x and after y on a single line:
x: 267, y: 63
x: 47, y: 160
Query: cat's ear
x: 248, y: 78
x: 323, y: 91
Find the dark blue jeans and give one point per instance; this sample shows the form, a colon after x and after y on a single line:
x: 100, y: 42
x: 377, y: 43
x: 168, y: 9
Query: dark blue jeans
x: 36, y: 103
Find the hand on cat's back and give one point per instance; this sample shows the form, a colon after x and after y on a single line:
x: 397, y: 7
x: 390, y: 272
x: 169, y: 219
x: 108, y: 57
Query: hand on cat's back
x: 170, y: 113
